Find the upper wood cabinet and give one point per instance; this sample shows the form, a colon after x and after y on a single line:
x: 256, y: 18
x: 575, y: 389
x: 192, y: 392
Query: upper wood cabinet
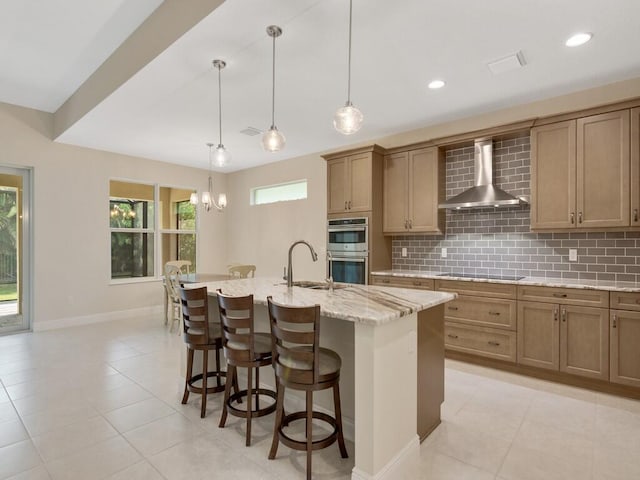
x: 635, y: 167
x: 580, y: 173
x: 350, y: 180
x: 413, y: 188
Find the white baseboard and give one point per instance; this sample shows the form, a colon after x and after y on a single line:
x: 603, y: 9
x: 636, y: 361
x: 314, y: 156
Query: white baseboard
x: 97, y: 318
x: 403, y: 466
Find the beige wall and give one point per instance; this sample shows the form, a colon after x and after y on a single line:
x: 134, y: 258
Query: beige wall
x: 262, y: 234
x: 70, y: 224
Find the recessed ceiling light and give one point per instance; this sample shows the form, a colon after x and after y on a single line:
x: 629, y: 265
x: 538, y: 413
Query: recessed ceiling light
x: 578, y: 39
x: 436, y: 84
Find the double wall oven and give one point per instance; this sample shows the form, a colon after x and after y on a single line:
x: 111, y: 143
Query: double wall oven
x: 348, y: 250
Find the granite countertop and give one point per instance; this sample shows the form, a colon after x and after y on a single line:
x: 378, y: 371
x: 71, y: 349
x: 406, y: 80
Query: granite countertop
x: 537, y: 281
x: 369, y: 304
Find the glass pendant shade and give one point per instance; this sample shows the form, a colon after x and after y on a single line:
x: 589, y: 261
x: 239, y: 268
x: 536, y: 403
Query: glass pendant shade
x: 222, y: 200
x: 193, y: 199
x: 348, y: 119
x: 273, y: 140
x: 221, y: 156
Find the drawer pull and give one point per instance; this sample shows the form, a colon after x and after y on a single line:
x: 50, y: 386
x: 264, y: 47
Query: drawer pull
x: 560, y: 295
x: 494, y: 313
x: 417, y: 284
x: 451, y: 335
x: 386, y: 280
x: 452, y: 308
x: 495, y: 344
x: 638, y: 301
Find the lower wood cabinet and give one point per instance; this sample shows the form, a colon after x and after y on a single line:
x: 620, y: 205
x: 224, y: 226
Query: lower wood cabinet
x: 568, y: 338
x: 404, y: 282
x: 625, y: 347
x: 484, y: 341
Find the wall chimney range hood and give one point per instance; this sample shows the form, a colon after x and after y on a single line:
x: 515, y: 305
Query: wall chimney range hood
x: 484, y: 193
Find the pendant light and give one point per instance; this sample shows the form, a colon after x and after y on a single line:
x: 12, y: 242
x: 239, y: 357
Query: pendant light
x: 348, y: 119
x: 221, y: 155
x: 207, y: 197
x: 273, y: 140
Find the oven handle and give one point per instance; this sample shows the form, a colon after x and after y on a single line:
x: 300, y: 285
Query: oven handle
x: 348, y: 259
x: 345, y: 229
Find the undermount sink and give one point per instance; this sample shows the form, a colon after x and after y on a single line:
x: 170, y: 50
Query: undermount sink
x: 317, y: 285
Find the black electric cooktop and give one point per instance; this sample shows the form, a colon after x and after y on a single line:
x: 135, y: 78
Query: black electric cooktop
x: 477, y: 275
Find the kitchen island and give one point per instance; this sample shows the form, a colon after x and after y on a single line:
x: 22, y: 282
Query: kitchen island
x: 392, y: 349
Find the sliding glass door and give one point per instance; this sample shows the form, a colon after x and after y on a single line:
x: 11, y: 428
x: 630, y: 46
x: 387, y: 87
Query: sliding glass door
x: 15, y: 207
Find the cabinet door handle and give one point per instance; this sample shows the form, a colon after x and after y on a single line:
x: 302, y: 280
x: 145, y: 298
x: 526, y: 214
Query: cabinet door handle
x: 614, y: 324
x: 635, y: 214
x: 451, y: 335
x: 452, y: 308
x: 410, y: 224
x: 406, y: 224
x: 555, y: 314
x: 495, y: 344
x: 345, y: 204
x: 579, y: 217
x: 494, y: 313
x: 349, y: 204
x: 573, y: 218
x: 564, y: 314
x: 560, y: 295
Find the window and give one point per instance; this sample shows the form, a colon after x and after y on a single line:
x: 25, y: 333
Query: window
x: 279, y: 193
x: 135, y: 210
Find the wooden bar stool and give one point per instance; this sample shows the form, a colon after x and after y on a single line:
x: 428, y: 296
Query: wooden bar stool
x: 243, y: 348
x: 300, y: 363
x: 202, y: 335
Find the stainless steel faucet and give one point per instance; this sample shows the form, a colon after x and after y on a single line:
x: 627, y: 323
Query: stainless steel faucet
x: 314, y: 256
x: 330, y: 279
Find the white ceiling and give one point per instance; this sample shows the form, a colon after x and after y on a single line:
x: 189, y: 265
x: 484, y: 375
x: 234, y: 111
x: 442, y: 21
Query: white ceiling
x: 168, y: 110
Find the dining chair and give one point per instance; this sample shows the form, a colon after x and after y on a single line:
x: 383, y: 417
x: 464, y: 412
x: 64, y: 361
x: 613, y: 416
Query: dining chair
x: 173, y: 303
x: 242, y: 271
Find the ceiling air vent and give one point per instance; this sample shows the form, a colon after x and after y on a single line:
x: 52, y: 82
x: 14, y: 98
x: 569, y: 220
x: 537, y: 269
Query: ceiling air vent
x: 251, y: 131
x: 506, y: 64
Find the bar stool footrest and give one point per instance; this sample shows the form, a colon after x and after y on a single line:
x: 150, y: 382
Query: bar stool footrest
x: 261, y: 412
x: 196, y: 378
x: 302, y: 445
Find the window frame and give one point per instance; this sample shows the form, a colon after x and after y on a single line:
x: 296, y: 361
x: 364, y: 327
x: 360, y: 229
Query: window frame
x: 157, y: 231
x: 254, y: 190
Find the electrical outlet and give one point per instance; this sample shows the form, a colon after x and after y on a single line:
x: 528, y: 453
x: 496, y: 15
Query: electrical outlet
x: 573, y: 255
x: 443, y: 253
x: 404, y: 252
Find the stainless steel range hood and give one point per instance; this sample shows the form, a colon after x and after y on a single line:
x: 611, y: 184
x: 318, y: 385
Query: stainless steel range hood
x: 484, y: 193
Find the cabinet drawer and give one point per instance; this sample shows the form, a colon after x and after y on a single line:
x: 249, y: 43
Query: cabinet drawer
x: 487, y: 342
x: 463, y: 287
x: 405, y: 282
x: 487, y: 312
x: 565, y: 296
x: 625, y: 301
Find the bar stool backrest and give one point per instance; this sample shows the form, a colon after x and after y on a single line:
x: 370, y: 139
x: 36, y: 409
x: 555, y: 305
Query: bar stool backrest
x: 295, y: 339
x: 195, y: 315
x: 236, y: 319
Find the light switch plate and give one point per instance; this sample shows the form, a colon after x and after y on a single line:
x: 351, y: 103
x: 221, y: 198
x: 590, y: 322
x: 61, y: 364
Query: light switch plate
x: 443, y: 253
x: 404, y: 252
x: 573, y: 255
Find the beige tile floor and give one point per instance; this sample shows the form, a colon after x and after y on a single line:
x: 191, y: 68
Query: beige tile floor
x: 103, y: 401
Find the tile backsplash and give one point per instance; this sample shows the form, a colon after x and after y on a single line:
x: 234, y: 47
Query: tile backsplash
x: 497, y: 241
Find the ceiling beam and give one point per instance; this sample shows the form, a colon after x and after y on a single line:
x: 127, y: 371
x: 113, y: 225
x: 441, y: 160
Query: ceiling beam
x: 171, y: 20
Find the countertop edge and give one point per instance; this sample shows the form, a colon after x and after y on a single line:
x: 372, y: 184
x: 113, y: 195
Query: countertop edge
x: 531, y: 281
